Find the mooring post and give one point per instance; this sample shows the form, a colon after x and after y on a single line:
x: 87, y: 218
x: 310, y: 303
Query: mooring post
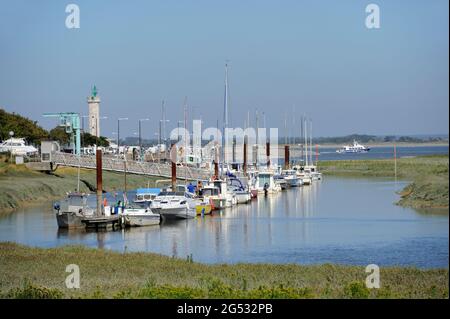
x: 99, y: 182
x: 286, y: 156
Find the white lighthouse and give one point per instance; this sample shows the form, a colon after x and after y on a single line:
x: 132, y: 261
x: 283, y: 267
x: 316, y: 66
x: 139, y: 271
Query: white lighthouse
x: 94, y: 113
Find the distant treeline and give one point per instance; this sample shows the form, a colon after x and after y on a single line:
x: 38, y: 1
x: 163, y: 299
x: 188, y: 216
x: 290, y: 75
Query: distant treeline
x: 362, y: 138
x: 34, y: 134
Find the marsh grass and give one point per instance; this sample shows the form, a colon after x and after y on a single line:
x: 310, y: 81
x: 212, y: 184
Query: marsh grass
x: 36, y: 272
x: 428, y: 176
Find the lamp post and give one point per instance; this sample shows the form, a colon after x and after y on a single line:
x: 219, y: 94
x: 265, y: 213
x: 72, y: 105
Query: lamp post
x: 118, y: 133
x: 140, y: 139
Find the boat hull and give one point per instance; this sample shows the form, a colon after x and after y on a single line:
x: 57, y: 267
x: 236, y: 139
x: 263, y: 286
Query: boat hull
x: 141, y: 220
x: 292, y: 182
x: 69, y: 220
x: 203, y: 209
x: 243, y: 198
x: 219, y: 203
x: 177, y: 213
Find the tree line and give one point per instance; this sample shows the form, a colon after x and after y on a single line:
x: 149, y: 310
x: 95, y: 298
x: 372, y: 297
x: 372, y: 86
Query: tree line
x: 34, y: 133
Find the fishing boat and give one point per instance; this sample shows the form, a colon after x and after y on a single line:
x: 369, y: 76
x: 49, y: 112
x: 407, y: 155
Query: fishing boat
x: 139, y: 216
x: 355, y: 148
x: 73, y: 210
x: 174, y: 205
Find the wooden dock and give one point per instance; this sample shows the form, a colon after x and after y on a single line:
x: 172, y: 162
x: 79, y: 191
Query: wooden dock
x: 102, y: 222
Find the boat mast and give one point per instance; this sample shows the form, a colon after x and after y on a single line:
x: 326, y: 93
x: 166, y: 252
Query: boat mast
x: 225, y: 112
x: 185, y: 141
x: 306, y: 142
x: 301, y: 138
x: 257, y: 140
x: 310, y: 143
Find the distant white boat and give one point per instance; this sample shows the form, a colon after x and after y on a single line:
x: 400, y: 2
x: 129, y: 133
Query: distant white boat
x: 17, y: 146
x: 355, y: 148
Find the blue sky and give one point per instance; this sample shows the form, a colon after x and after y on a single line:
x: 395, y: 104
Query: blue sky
x: 315, y: 56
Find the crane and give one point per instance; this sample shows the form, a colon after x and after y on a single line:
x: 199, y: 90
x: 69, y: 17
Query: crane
x: 71, y: 122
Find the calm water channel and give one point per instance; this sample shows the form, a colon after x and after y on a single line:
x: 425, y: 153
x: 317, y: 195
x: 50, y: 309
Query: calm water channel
x: 336, y: 220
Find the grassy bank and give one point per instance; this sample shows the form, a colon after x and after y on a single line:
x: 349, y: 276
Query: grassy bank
x: 428, y: 176
x: 20, y: 186
x: 37, y: 272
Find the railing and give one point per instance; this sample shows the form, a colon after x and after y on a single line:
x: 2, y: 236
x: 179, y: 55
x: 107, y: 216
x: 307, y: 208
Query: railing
x: 133, y: 167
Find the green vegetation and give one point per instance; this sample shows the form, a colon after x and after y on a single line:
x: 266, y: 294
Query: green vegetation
x: 20, y: 186
x: 428, y: 176
x: 21, y: 126
x: 40, y: 273
x: 33, y: 133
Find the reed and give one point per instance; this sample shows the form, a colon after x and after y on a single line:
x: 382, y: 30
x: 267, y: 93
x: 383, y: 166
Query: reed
x: 27, y: 272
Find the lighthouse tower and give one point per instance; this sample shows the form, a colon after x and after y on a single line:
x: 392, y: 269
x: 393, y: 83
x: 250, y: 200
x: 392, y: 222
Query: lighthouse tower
x: 94, y: 113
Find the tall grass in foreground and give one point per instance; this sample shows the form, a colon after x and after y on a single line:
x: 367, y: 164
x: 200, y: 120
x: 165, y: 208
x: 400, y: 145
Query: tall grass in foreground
x: 40, y: 273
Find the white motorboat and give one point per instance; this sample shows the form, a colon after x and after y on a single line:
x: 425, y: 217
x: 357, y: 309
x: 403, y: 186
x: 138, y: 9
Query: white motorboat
x: 279, y: 179
x: 17, y: 146
x: 174, y: 205
x: 313, y: 173
x: 139, y: 216
x: 291, y: 178
x: 242, y: 195
x: 355, y: 148
x: 303, y: 174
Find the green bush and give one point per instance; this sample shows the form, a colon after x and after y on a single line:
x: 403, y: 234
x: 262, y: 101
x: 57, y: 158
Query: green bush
x: 356, y: 290
x: 30, y: 291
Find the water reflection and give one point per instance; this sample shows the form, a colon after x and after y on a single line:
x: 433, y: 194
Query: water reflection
x: 350, y: 221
